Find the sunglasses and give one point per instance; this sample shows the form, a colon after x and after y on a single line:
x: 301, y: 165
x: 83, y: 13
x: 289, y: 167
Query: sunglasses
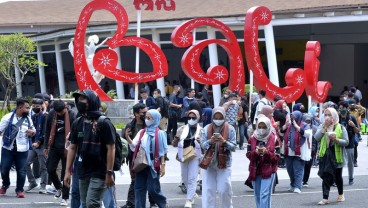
x: 192, y: 118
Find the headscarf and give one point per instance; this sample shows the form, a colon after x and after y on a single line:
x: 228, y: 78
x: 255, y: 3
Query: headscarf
x: 267, y: 111
x: 196, y: 113
x: 297, y: 106
x: 207, y: 116
x: 313, y: 111
x: 280, y: 105
x: 156, y: 116
x: 218, y: 109
x: 293, y: 139
x: 255, y: 97
x: 263, y: 138
x: 307, y: 117
x: 335, y: 118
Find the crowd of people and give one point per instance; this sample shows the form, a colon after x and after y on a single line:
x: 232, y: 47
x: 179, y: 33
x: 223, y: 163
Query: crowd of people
x: 55, y: 141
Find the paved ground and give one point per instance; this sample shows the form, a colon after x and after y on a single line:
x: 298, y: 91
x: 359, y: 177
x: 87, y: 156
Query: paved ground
x: 356, y: 195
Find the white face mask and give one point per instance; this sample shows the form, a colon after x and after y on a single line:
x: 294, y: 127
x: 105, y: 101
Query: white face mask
x: 218, y: 122
x: 234, y: 102
x: 262, y: 132
x: 192, y: 122
x: 226, y: 96
x: 148, y: 122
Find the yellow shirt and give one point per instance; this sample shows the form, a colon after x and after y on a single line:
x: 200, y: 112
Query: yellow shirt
x: 168, y: 89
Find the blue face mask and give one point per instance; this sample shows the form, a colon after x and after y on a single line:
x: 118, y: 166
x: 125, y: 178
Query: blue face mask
x: 342, y: 111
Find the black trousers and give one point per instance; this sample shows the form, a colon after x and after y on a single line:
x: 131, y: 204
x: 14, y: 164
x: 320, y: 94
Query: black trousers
x: 55, y: 155
x: 307, y: 170
x: 172, y: 125
x: 326, y: 184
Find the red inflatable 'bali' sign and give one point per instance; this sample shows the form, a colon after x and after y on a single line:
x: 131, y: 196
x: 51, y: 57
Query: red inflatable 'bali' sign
x: 105, y: 60
x: 182, y: 37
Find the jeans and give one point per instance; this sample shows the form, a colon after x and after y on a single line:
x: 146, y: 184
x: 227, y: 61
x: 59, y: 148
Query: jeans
x: 263, y: 190
x: 295, y: 169
x: 241, y: 135
x: 55, y: 155
x: 145, y: 182
x: 32, y: 156
x: 20, y: 160
x: 75, y: 201
x: 350, y: 153
x: 91, y: 192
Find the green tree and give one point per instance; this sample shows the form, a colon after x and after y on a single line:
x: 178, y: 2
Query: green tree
x: 14, y: 54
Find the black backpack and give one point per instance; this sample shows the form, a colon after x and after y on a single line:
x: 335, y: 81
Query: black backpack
x: 118, y: 145
x: 165, y: 110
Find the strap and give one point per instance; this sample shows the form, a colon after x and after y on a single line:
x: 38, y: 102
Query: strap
x: 138, y: 146
x: 20, y: 121
x: 156, y: 163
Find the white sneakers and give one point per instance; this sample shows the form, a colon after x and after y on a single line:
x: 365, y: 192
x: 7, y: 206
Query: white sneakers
x: 297, y: 190
x: 64, y: 202
x: 188, y: 204
x: 323, y: 202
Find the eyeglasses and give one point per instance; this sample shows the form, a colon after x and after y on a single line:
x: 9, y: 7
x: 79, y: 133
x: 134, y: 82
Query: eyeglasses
x: 192, y: 118
x: 328, y: 115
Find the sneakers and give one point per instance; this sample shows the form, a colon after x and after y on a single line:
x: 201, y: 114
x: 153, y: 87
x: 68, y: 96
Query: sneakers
x: 58, y: 194
x: 42, y: 190
x: 351, y: 181
x: 297, y: 190
x: 188, y: 204
x: 340, y: 198
x: 323, y: 202
x: 64, y: 202
x: 291, y: 189
x: 153, y: 205
x: 194, y: 197
x: 31, y: 187
x: 356, y: 165
x: 50, y: 189
x: 305, y: 184
x: 3, y: 190
x: 20, y: 194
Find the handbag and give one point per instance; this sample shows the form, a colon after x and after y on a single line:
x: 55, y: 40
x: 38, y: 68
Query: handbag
x: 208, y: 157
x: 140, y: 162
x: 189, y: 153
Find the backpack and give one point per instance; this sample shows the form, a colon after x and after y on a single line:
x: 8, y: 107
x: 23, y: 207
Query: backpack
x: 121, y: 145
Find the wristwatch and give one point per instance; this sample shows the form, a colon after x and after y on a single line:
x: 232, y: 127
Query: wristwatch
x: 110, y: 172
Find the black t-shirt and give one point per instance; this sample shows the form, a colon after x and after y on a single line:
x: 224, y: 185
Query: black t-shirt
x: 350, y: 130
x: 92, y: 166
x: 245, y: 109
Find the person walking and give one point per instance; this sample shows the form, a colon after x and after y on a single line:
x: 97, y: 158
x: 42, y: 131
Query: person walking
x: 263, y: 151
x: 219, y: 138
x: 332, y: 137
x: 17, y: 127
x: 189, y: 137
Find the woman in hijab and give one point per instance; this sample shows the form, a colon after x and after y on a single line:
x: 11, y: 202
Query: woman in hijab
x: 149, y: 178
x: 190, y: 135
x: 219, y: 137
x: 314, y: 111
x: 263, y: 152
x: 294, y: 138
x: 333, y: 138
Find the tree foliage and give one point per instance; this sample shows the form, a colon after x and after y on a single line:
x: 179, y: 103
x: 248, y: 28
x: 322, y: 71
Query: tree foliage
x: 14, y: 54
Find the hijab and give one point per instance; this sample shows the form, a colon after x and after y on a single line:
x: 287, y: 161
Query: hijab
x: 218, y: 109
x: 156, y: 116
x: 266, y: 136
x: 267, y: 111
x: 298, y: 116
x: 297, y: 106
x: 279, y: 105
x: 335, y: 118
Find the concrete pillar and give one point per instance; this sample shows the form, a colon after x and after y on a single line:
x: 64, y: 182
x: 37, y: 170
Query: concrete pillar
x: 41, y: 70
x: 160, y: 82
x: 119, y: 84
x: 60, y: 70
x: 271, y: 54
x: 212, y: 48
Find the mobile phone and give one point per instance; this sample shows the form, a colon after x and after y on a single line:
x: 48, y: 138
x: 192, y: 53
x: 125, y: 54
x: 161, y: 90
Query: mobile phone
x: 216, y: 135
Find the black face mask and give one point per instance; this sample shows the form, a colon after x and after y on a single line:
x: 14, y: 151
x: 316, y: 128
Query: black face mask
x: 82, y: 107
x: 25, y: 114
x: 36, y: 110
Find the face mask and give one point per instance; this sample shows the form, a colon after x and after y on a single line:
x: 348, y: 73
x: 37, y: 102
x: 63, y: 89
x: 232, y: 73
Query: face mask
x: 192, y: 122
x: 36, y: 110
x: 218, y: 122
x: 302, y: 110
x: 25, y: 114
x: 226, y: 96
x: 234, y: 102
x: 342, y: 111
x: 262, y: 132
x: 155, y: 96
x: 148, y: 122
x: 82, y: 107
